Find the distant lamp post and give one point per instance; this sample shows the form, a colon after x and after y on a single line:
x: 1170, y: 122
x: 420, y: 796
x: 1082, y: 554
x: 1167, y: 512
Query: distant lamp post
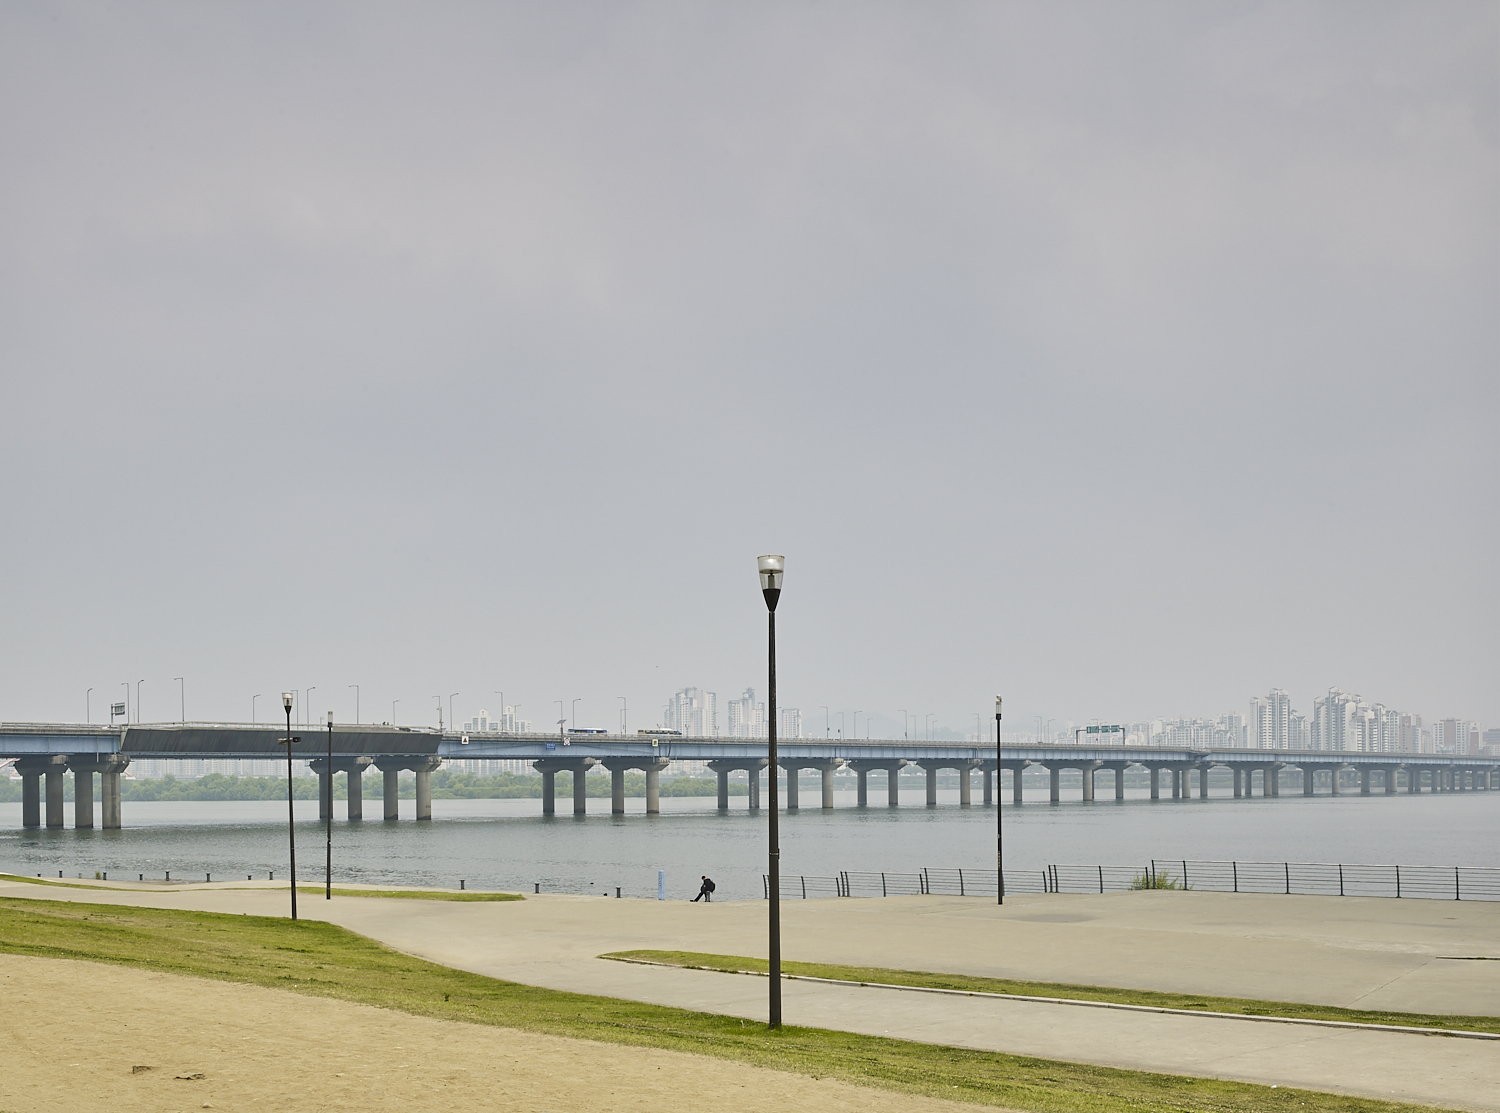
x: 182, y: 697
x: 291, y: 816
x: 138, y: 684
x: 624, y: 715
x: 575, y: 712
x: 356, y: 703
x: 328, y: 868
x: 771, y: 570
x: 904, y: 732
x: 88, y: 714
x: 452, y: 722
x: 999, y: 830
x: 393, y: 711
x: 252, y: 707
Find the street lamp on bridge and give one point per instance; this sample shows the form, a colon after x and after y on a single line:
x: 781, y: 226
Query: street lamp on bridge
x: 771, y: 569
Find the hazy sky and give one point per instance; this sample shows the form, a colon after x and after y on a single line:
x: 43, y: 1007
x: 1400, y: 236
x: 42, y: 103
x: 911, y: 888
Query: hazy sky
x: 1126, y: 358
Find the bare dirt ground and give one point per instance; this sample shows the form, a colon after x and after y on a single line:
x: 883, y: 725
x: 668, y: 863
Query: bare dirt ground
x: 88, y: 1036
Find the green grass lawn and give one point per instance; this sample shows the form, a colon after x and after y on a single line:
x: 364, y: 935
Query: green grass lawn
x: 736, y: 964
x: 323, y: 960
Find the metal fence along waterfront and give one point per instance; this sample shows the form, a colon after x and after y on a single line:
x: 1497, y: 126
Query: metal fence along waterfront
x: 1289, y: 878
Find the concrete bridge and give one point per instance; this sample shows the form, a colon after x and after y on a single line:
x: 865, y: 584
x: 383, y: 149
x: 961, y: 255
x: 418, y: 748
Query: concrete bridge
x: 44, y: 752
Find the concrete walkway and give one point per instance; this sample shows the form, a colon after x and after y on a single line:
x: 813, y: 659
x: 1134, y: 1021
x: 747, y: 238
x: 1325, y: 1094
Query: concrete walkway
x: 1368, y: 953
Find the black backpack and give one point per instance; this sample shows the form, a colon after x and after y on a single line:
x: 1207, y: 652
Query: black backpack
x: 708, y: 885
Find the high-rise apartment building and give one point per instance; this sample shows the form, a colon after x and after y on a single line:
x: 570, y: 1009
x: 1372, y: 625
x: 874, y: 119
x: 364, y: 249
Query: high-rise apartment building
x: 1331, y: 720
x: 1270, y: 725
x: 791, y: 723
x: 694, y: 712
x: 506, y: 722
x: 1451, y: 736
x: 747, y: 719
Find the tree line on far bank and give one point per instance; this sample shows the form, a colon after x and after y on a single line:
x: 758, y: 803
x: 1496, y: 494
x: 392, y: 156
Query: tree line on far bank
x: 446, y: 785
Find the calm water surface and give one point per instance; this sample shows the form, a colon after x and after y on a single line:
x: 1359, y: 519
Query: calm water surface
x: 506, y: 844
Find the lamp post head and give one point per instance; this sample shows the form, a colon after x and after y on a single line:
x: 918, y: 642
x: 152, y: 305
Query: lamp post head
x: 330, y: 720
x: 771, y: 570
x: 997, y: 707
x: 286, y: 700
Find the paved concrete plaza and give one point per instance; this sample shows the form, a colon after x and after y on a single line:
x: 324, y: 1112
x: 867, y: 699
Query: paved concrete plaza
x: 1411, y: 955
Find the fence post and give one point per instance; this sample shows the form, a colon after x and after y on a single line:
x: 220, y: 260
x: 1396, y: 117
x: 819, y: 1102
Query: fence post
x: 803, y: 879
x: 1101, y: 879
x: 1235, y: 866
x: 961, y: 883
x: 1455, y: 884
x: 765, y: 885
x: 1184, y: 875
x: 1287, y: 866
x: 882, y: 886
x: 1398, y: 882
x: 922, y: 881
x: 1341, y: 879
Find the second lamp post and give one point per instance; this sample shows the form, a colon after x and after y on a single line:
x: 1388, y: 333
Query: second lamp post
x: 771, y: 568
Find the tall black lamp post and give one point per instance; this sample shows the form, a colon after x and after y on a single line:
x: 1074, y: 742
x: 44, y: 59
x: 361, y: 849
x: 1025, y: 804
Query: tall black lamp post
x: 771, y: 569
x: 291, y: 816
x: 999, y: 829
x: 328, y: 868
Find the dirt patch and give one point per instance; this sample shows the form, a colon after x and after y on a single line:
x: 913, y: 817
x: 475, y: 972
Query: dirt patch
x: 82, y: 1035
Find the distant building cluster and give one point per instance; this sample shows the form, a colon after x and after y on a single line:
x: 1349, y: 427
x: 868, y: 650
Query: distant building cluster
x: 1341, y: 721
x: 505, y: 723
x: 695, y: 712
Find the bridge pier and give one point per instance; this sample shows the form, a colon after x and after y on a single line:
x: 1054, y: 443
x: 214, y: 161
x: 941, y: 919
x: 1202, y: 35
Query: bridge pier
x: 1176, y: 783
x: 989, y: 779
x: 392, y: 809
x: 1333, y: 779
x: 931, y: 786
x: 1364, y: 780
x: 965, y: 797
x: 109, y: 767
x: 862, y: 788
x: 1054, y: 783
x: 892, y: 766
x: 55, y: 795
x: 652, y: 767
x: 1088, y: 768
x: 549, y: 767
x: 1390, y: 779
x: 83, y: 797
x: 1203, y: 781
x: 1236, y: 772
x: 1155, y: 781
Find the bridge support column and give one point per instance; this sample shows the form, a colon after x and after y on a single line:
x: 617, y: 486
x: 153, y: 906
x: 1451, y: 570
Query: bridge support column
x: 1390, y: 780
x: 1155, y: 782
x: 1274, y: 778
x: 31, y: 799
x: 931, y: 788
x: 1087, y: 773
x: 1203, y: 782
x: 1120, y: 783
x: 1055, y: 783
x: 424, y: 786
x: 1333, y: 779
x: 753, y: 800
x: 723, y: 791
x: 580, y: 792
x: 1237, y: 786
x: 1176, y: 784
x: 965, y: 799
x: 1413, y: 780
x: 392, y: 786
x: 792, y: 803
x: 109, y: 796
x: 989, y: 781
x: 827, y: 772
x: 617, y: 791
x: 862, y: 787
x: 354, y: 802
x: 893, y: 785
x: 55, y: 795
x: 83, y: 798
x: 1015, y: 785
x: 1308, y: 776
x: 1364, y: 780
x: 653, y: 789
x: 325, y: 792
x: 549, y: 792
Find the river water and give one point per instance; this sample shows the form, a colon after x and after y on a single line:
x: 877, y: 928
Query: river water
x: 507, y: 844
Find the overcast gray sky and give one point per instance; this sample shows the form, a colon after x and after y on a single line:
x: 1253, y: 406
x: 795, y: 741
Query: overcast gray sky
x: 1129, y: 359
